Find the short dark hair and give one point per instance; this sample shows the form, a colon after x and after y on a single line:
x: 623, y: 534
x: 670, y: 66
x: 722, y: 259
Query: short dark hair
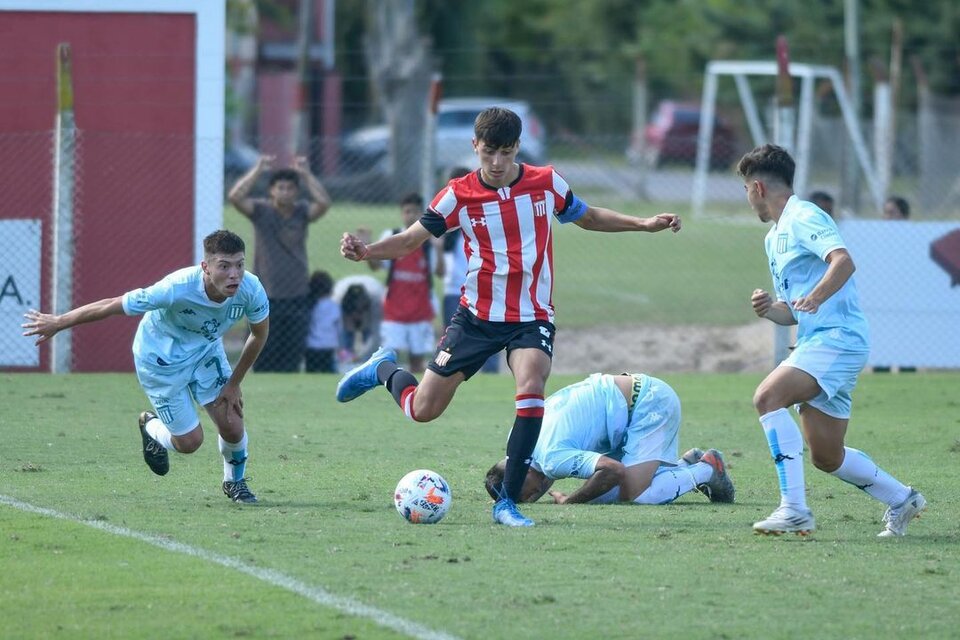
x: 497, y: 127
x: 321, y: 284
x: 281, y: 175
x: 901, y: 204
x: 356, y: 300
x: 413, y: 198
x: 494, y: 480
x: 223, y: 242
x: 770, y: 161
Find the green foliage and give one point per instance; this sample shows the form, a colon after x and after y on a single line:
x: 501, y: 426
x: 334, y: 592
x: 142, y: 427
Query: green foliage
x: 325, y: 474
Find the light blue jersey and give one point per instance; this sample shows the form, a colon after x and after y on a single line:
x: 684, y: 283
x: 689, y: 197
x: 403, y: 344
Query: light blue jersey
x: 181, y: 323
x: 591, y: 418
x: 797, y: 246
x: 178, y: 349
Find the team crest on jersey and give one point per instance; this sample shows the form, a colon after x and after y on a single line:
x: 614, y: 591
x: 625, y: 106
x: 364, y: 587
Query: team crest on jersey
x: 782, y: 243
x: 235, y: 312
x: 443, y: 358
x: 540, y: 208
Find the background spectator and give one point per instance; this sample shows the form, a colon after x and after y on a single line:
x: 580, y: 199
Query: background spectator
x: 280, y: 255
x: 323, y: 334
x: 361, y: 310
x: 823, y: 200
x: 896, y: 208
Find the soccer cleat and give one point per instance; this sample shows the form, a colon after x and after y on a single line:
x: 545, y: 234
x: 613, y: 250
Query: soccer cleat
x: 719, y: 488
x: 238, y: 491
x: 505, y: 512
x: 154, y: 454
x: 786, y: 520
x: 363, y: 377
x: 691, y: 457
x: 897, y: 518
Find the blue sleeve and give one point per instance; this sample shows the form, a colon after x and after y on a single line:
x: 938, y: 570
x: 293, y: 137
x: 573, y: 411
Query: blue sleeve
x: 156, y: 296
x: 258, y: 306
x: 573, y: 209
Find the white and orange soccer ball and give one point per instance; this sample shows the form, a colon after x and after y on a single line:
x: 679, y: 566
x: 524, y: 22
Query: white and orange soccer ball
x: 422, y: 497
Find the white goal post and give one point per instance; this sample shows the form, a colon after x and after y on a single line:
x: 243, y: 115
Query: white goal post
x: 808, y: 74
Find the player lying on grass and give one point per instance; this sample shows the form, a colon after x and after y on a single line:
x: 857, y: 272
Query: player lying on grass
x: 179, y: 357
x: 619, y: 433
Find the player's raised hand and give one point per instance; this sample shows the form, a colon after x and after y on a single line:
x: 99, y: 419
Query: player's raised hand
x: 42, y: 325
x: 301, y: 164
x: 761, y: 302
x: 264, y: 162
x: 353, y: 248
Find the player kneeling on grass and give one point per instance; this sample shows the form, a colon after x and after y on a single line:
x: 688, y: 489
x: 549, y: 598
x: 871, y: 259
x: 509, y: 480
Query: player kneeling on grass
x: 179, y: 357
x: 619, y: 433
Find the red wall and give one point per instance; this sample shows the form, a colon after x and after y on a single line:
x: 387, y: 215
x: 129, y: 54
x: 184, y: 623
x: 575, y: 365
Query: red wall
x: 134, y: 92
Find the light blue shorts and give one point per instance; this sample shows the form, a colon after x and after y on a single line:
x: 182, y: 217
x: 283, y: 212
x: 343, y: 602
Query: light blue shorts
x: 834, y: 369
x: 173, y: 390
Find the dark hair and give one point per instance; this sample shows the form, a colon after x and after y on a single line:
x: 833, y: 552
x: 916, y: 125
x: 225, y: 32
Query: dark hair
x: 497, y: 127
x: 413, y: 198
x: 901, y: 204
x: 457, y: 172
x: 321, y: 284
x: 355, y: 300
x: 223, y: 242
x: 820, y: 196
x: 281, y: 175
x: 494, y: 480
x: 769, y: 161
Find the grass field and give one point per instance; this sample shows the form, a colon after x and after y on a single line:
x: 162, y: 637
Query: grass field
x: 93, y: 545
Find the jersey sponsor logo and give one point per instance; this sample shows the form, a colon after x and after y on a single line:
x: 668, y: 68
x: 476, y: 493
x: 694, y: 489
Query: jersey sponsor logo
x: 235, y: 312
x: 443, y: 358
x: 782, y: 243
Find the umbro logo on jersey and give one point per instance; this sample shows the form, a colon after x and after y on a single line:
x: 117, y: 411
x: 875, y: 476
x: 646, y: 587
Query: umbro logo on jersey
x: 478, y: 222
x: 442, y: 358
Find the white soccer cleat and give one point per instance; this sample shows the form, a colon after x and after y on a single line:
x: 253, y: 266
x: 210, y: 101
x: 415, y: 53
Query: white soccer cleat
x: 897, y: 518
x: 786, y: 520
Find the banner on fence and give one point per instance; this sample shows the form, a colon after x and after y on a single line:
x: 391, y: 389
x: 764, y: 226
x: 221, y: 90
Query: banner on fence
x: 19, y: 289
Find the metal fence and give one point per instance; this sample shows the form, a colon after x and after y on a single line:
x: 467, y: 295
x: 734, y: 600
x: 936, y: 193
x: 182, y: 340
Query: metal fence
x: 639, y: 302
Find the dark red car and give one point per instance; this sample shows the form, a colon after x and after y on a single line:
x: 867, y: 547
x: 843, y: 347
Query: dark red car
x: 671, y: 136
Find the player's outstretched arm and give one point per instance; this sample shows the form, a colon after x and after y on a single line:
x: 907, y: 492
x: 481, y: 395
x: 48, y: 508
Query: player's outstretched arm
x: 46, y: 325
x: 600, y: 219
x: 396, y: 246
x: 608, y: 474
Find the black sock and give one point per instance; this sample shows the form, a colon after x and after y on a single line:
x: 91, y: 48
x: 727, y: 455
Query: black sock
x: 397, y: 380
x: 384, y: 370
x: 520, y: 445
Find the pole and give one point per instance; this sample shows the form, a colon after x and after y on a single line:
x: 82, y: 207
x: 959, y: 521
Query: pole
x: 783, y: 135
x: 65, y: 137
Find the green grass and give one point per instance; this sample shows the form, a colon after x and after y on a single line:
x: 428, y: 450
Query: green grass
x: 631, y: 276
x: 325, y: 475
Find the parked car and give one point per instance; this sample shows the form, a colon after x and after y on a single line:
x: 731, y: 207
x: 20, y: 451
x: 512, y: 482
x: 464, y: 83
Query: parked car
x: 367, y: 148
x: 671, y: 136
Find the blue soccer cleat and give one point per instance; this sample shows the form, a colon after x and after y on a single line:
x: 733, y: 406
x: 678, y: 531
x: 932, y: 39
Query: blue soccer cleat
x: 505, y: 512
x: 363, y: 377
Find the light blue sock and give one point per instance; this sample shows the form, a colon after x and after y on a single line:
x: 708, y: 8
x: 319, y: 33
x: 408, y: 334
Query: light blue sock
x: 786, y: 447
x: 234, y: 458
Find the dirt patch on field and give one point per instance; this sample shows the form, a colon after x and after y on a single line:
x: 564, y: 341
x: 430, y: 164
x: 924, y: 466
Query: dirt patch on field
x: 663, y: 349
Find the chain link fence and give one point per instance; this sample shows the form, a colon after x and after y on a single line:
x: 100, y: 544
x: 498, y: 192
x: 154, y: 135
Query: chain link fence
x: 624, y: 301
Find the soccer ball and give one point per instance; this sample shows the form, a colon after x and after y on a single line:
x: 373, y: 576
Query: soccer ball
x: 422, y: 497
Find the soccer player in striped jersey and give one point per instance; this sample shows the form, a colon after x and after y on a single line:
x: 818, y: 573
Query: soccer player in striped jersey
x: 504, y: 210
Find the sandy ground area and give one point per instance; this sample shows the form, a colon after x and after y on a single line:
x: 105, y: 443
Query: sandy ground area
x: 664, y: 349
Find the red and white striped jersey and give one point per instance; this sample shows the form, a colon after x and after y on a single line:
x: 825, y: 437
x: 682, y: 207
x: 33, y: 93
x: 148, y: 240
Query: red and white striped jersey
x: 507, y: 240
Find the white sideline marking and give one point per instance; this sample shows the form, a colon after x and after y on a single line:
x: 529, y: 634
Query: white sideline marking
x: 271, y: 577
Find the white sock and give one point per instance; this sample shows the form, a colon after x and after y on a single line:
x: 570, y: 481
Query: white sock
x: 863, y: 473
x: 234, y: 458
x: 786, y: 447
x: 669, y: 483
x: 159, y: 432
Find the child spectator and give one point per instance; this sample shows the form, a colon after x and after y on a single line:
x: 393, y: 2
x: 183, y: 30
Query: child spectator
x: 323, y: 333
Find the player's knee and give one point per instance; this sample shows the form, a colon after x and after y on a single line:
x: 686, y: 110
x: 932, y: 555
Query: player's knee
x: 189, y: 442
x: 827, y: 462
x: 765, y: 400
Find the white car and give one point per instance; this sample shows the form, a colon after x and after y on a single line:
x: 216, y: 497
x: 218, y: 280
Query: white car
x: 368, y: 146
x: 455, y: 118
